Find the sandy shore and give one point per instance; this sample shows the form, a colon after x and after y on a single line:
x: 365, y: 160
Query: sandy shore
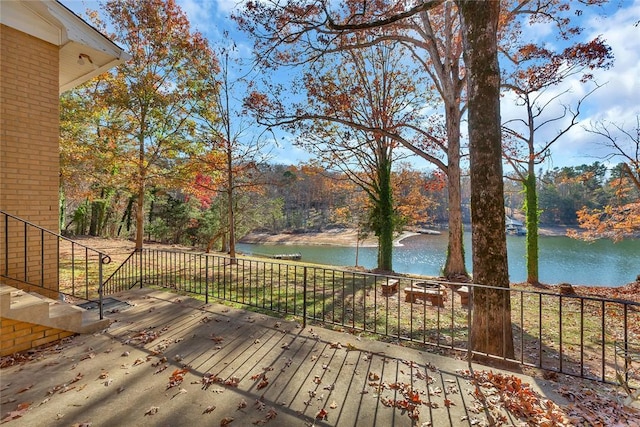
x: 347, y: 237
x: 337, y: 237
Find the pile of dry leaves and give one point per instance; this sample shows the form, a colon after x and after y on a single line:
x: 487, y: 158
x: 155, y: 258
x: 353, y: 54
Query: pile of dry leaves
x: 589, y: 404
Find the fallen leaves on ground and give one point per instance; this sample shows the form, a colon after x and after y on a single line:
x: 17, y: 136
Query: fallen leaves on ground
x: 322, y: 414
x: 177, y: 377
x: 152, y: 411
x: 518, y: 398
x: 590, y: 407
x: 144, y: 337
x: 19, y: 412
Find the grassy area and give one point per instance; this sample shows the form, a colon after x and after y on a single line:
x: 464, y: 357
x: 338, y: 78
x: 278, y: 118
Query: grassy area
x: 572, y: 334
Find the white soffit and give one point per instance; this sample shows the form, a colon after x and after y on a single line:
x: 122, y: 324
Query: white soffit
x: 52, y: 22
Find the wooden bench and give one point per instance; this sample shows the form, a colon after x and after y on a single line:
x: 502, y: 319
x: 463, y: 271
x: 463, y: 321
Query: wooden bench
x: 435, y: 296
x: 390, y: 287
x: 463, y: 291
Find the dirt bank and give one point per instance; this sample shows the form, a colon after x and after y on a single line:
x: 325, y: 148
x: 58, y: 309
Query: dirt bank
x: 337, y: 237
x: 347, y: 237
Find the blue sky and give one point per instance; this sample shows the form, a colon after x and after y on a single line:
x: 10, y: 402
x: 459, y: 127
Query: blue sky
x: 618, y: 100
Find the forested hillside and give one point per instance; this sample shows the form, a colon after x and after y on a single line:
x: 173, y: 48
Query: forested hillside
x: 308, y: 198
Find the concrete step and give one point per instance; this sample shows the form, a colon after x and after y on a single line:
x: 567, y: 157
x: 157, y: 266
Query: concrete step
x: 35, y: 308
x: 20, y: 305
x: 5, y: 297
x: 91, y: 322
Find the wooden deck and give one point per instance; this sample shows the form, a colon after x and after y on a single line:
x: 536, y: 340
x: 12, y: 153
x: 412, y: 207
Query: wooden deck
x: 173, y: 360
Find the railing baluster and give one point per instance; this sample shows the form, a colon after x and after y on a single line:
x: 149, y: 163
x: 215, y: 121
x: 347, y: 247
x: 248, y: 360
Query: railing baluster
x: 522, y: 344
x: 540, y: 330
x: 604, y: 340
x: 42, y: 268
x: 26, y: 254
x: 328, y: 296
x: 560, y: 330
x: 32, y: 249
x: 86, y: 273
x: 581, y: 337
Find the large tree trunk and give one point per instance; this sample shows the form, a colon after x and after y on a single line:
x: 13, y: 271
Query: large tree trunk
x: 386, y: 222
x: 531, y: 212
x: 454, y: 265
x: 491, y: 331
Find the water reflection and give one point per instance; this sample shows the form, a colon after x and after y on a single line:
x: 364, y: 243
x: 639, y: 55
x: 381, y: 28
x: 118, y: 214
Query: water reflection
x: 601, y: 263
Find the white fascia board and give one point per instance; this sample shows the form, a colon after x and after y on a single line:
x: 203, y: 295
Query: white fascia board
x: 79, y: 31
x: 52, y: 22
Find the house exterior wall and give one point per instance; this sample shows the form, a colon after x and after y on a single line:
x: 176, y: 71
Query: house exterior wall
x: 16, y: 335
x: 29, y: 154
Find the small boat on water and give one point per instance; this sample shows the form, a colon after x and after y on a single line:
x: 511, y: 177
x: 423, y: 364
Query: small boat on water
x: 515, y: 228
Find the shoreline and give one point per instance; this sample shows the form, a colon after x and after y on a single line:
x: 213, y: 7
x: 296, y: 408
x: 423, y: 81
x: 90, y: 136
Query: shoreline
x: 347, y: 237
x: 342, y: 237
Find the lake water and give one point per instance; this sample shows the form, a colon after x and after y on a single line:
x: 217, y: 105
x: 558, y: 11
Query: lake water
x: 562, y: 260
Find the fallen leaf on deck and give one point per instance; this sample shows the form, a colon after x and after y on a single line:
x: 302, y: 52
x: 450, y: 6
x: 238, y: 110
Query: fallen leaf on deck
x: 232, y: 382
x: 152, y: 411
x: 20, y: 410
x: 176, y: 377
x: 22, y: 390
x: 322, y: 414
x: 271, y: 414
x: 242, y: 404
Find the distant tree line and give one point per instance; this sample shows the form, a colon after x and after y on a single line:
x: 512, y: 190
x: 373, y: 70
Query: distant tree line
x: 304, y: 198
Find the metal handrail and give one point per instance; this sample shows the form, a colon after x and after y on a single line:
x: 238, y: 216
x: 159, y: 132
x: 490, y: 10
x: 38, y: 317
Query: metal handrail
x: 551, y: 331
x: 20, y: 241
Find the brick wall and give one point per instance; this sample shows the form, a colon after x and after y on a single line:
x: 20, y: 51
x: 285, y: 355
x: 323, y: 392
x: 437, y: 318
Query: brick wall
x: 29, y: 148
x: 18, y: 336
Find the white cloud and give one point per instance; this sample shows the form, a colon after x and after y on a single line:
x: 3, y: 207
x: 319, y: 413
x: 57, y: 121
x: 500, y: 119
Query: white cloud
x: 618, y: 99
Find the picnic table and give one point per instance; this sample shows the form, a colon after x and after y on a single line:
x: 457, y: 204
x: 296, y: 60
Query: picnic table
x: 434, y: 293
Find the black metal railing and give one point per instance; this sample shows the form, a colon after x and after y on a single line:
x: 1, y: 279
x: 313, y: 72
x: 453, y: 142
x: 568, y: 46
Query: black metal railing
x: 568, y: 334
x: 51, y: 263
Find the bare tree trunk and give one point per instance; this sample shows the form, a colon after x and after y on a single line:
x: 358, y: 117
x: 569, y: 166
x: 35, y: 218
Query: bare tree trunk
x: 140, y: 207
x: 454, y: 265
x: 231, y: 209
x: 491, y: 331
x: 531, y: 212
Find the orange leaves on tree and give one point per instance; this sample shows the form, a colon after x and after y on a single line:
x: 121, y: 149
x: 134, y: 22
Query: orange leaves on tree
x: 258, y: 102
x: 609, y: 222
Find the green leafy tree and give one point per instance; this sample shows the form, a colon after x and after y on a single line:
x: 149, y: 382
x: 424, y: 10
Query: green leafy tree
x: 156, y: 93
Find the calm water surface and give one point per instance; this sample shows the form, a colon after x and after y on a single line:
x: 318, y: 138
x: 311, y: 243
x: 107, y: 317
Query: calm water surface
x: 601, y: 263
